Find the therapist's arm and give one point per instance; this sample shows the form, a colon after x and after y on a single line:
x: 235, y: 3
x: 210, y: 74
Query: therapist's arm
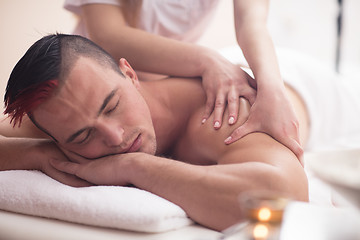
x: 223, y: 81
x: 272, y: 111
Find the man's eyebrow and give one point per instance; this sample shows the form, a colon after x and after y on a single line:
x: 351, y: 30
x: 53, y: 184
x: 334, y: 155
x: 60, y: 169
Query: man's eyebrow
x: 106, y: 101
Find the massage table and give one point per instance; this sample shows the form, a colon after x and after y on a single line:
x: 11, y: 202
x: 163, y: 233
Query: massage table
x: 317, y: 223
x: 14, y: 226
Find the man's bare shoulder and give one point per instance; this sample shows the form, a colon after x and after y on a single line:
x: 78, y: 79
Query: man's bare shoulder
x: 27, y: 129
x: 202, y: 144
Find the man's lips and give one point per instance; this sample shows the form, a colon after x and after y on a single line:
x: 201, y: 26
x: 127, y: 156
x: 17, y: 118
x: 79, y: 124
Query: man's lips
x: 135, y: 145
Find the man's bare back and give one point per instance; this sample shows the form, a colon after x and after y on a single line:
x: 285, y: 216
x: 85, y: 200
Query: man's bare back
x: 199, y: 143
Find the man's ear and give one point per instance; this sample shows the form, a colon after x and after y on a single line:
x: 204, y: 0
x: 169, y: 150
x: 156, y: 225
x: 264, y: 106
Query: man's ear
x: 128, y: 71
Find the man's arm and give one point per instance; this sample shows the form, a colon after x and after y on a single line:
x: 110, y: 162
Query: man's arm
x: 19, y: 146
x: 18, y: 153
x: 27, y: 148
x: 208, y: 194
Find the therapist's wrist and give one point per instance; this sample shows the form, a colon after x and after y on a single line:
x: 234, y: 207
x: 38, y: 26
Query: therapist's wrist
x: 208, y: 59
x: 273, y: 95
x: 270, y: 84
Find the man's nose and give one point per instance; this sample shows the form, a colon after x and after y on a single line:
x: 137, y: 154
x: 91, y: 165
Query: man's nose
x: 113, y: 134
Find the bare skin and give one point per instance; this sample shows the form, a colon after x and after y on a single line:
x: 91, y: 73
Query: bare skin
x: 222, y: 81
x: 153, y: 140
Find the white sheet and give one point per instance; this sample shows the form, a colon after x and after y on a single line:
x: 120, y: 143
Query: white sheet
x: 34, y: 193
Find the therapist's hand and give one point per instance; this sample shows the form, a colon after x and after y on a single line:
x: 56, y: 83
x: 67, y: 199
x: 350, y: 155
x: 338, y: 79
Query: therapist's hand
x: 224, y: 83
x: 272, y: 113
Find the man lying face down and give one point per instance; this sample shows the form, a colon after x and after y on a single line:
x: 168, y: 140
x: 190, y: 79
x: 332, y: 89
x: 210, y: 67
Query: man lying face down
x: 117, y: 130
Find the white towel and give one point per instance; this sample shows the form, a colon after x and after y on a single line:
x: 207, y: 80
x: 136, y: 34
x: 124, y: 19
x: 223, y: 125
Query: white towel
x: 34, y: 193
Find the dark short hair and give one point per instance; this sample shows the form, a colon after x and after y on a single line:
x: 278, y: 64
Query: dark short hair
x: 44, y: 67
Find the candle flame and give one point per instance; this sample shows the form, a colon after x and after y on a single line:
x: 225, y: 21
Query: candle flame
x: 264, y: 214
x: 260, y: 231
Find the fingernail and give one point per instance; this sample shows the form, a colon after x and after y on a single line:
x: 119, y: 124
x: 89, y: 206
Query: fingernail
x: 231, y: 120
x: 228, y: 139
x: 203, y: 121
x: 217, y: 124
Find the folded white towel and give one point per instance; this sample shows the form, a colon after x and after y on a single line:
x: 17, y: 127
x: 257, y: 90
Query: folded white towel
x: 34, y: 193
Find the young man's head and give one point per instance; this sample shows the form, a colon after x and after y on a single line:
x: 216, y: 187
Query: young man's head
x: 77, y: 94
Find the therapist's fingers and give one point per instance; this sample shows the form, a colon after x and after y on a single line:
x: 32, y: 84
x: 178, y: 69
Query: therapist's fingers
x: 291, y: 139
x: 292, y: 143
x: 219, y: 109
x: 295, y: 146
x: 209, y: 106
x: 233, y: 106
x: 250, y: 95
x: 240, y: 132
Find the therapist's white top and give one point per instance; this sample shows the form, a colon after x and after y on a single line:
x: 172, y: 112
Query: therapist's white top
x: 184, y: 20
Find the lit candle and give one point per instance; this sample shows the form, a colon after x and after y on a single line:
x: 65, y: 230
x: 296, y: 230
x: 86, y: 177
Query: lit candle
x: 263, y: 207
x: 264, y: 214
x: 264, y: 211
x: 260, y: 231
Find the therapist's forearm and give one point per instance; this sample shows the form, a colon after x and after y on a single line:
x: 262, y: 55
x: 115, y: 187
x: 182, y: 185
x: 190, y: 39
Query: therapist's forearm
x: 151, y: 53
x: 256, y: 43
x: 262, y: 60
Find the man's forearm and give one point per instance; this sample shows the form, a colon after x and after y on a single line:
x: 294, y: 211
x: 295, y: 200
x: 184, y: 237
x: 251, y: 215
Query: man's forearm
x: 26, y: 153
x: 21, y: 153
x: 209, y: 194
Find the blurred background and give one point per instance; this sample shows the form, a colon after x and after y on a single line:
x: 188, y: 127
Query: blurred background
x: 309, y: 26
